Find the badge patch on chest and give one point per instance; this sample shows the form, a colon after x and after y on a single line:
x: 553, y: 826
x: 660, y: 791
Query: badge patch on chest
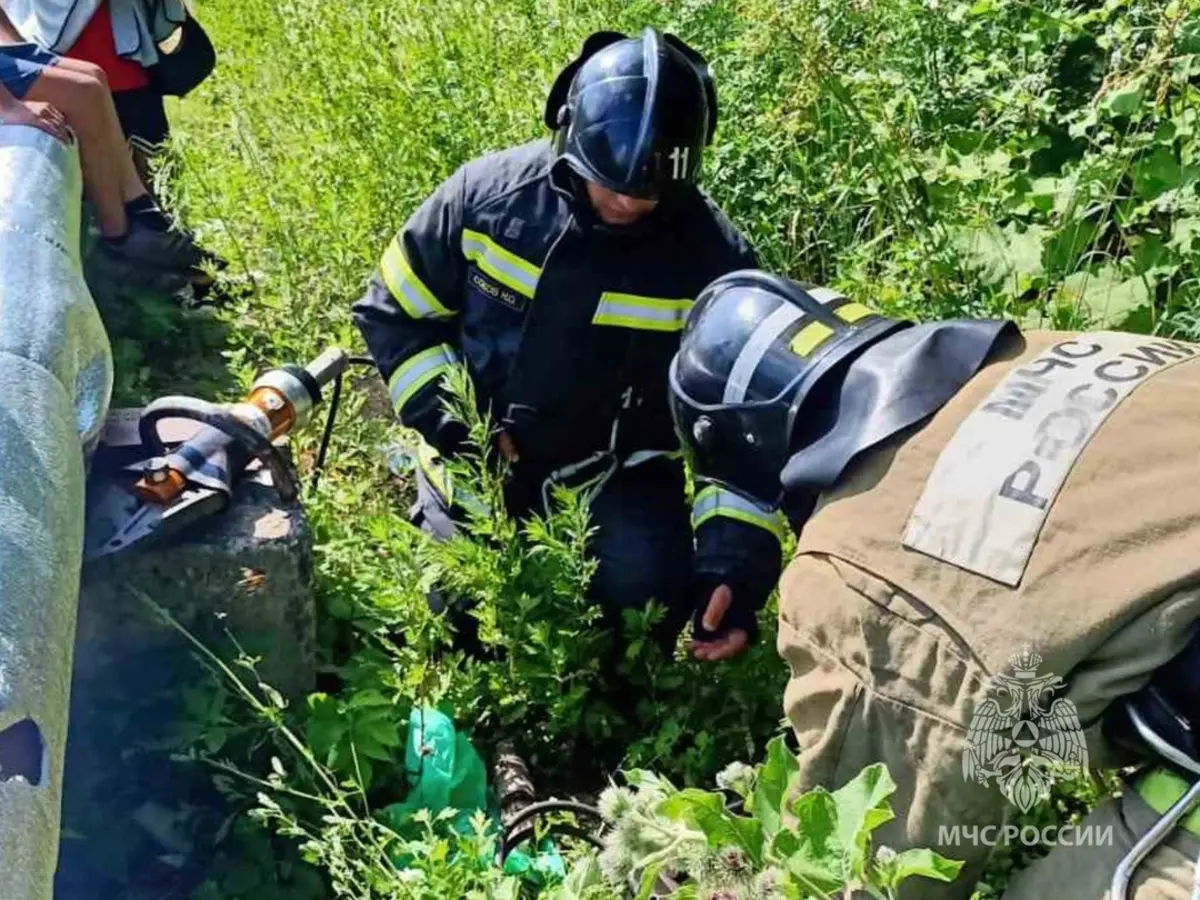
x: 994, y: 483
x: 494, y: 290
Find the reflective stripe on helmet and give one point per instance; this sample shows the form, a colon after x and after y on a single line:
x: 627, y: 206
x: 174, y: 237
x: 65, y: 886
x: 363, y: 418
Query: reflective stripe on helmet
x: 763, y: 338
x: 506, y: 267
x: 643, y: 313
x: 715, y: 501
x: 814, y: 334
x: 823, y: 294
x: 852, y: 312
x: 417, y: 371
x: 1161, y: 789
x: 809, y: 338
x: 410, y: 292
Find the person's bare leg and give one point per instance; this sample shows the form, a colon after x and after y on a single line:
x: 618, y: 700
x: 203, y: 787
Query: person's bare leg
x: 132, y: 185
x: 141, y: 162
x: 81, y: 99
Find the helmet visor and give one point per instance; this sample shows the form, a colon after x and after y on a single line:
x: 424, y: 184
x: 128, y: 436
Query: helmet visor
x: 608, y: 139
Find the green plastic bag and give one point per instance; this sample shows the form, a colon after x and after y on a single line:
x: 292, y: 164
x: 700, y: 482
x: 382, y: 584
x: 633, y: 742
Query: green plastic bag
x: 545, y: 868
x: 444, y: 770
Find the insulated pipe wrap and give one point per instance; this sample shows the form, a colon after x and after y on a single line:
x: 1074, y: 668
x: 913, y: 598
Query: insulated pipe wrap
x: 55, y: 386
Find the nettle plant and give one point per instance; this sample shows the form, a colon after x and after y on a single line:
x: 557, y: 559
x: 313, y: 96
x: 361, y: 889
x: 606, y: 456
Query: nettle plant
x: 772, y: 842
x: 551, y: 658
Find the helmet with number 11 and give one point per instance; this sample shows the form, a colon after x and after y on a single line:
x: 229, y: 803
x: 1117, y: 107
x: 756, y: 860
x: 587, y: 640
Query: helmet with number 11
x: 634, y: 114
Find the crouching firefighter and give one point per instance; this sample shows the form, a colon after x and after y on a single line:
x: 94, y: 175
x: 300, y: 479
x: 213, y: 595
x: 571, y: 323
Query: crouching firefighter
x: 560, y: 272
x: 998, y: 556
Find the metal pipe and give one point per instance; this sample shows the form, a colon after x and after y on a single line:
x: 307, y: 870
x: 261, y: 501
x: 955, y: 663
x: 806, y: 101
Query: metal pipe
x: 1119, y: 889
x: 55, y: 387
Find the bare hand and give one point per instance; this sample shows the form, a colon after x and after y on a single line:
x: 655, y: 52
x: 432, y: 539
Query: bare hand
x: 734, y: 641
x: 508, y: 448
x: 33, y: 114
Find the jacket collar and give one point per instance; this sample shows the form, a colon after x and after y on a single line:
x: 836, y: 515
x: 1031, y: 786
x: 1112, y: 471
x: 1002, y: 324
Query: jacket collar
x: 567, y: 184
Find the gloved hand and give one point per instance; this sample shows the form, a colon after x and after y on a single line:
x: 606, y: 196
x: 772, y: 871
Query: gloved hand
x: 722, y: 627
x: 449, y: 438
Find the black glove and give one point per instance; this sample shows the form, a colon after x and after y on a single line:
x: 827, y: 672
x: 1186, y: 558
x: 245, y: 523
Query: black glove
x: 448, y: 438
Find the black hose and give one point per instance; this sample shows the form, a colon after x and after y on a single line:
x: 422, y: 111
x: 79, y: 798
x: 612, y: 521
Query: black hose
x: 334, y: 401
x: 221, y: 419
x: 331, y: 418
x: 549, y: 806
x: 559, y: 828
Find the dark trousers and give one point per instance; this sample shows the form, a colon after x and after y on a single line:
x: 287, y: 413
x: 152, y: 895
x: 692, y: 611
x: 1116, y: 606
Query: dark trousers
x: 642, y: 544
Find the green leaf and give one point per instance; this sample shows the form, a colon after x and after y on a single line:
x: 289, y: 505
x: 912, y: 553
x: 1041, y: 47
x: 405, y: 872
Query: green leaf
x: 508, y: 889
x: 771, y: 786
x: 924, y: 864
x: 1157, y: 173
x: 649, y: 879
x: 1003, y: 255
x: 862, y: 806
x: 367, y: 698
x: 367, y: 746
x: 1184, y: 235
x: 707, y: 813
x: 1063, y: 250
x: 1187, y: 37
x: 381, y: 730
x: 583, y: 875
x: 1148, y: 251
x: 819, y: 860
x: 1043, y: 193
x: 785, y: 844
x: 1105, y: 296
x: 1125, y: 101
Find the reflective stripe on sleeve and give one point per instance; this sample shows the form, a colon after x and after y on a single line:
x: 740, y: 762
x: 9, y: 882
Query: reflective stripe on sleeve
x: 1161, y: 789
x: 417, y: 371
x: 644, y: 313
x: 715, y: 501
x: 503, y: 265
x: 410, y: 292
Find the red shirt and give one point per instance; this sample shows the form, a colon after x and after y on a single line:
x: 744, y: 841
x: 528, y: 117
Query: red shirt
x: 96, y: 45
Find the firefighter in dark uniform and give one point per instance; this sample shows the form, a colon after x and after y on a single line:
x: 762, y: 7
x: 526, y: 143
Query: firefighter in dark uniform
x: 560, y: 272
x: 976, y: 506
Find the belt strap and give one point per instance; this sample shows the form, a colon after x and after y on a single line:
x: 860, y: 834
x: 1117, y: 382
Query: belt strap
x: 1161, y: 788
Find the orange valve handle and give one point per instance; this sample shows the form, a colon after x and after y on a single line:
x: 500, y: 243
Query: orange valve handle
x: 160, y: 483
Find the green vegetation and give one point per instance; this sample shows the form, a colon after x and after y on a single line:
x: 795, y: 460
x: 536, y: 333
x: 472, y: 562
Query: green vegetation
x: 1029, y: 158
x: 826, y: 847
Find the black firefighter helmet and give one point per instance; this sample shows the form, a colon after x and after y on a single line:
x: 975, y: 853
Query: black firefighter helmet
x: 746, y: 382
x: 634, y: 114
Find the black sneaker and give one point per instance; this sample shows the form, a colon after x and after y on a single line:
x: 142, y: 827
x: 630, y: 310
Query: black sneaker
x: 169, y: 250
